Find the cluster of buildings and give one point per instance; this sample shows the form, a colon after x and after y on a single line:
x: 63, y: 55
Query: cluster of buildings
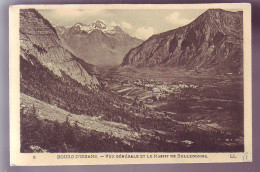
x: 161, y: 90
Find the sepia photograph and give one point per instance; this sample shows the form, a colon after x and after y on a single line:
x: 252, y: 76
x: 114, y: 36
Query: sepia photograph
x: 118, y: 82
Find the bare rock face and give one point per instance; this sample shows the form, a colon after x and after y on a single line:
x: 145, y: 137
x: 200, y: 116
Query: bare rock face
x: 98, y: 43
x: 38, y: 38
x: 214, y: 41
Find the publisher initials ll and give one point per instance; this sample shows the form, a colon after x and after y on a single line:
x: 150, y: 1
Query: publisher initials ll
x: 232, y: 156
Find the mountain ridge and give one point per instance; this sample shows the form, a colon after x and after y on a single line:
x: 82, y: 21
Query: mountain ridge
x: 39, y: 39
x: 199, y: 44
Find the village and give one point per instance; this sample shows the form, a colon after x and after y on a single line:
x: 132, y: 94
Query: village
x: 149, y: 91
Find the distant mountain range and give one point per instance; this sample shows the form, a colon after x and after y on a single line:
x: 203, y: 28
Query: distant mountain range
x: 212, y: 41
x: 97, y: 43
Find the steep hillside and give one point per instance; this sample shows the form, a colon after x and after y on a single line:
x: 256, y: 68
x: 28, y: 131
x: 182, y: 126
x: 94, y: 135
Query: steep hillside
x: 213, y: 41
x: 98, y: 43
x: 39, y: 39
x: 53, y: 113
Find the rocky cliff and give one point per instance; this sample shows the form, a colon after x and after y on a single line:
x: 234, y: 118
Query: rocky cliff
x: 214, y: 41
x: 39, y: 39
x: 98, y: 43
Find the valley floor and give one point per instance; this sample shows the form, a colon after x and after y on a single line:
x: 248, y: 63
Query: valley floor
x: 171, y: 110
x: 200, y: 100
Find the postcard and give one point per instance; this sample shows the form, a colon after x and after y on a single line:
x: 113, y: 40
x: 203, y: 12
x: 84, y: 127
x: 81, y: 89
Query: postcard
x: 130, y: 84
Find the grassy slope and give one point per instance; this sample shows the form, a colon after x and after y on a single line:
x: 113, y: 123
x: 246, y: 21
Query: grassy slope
x: 53, y: 113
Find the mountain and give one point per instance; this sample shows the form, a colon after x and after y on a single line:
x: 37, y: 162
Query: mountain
x: 214, y: 40
x: 97, y: 43
x: 39, y: 42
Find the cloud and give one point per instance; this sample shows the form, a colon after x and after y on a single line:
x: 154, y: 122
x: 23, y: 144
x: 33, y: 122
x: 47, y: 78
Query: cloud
x: 174, y: 18
x: 144, y: 33
x: 126, y: 25
x: 123, y: 24
x: 72, y: 13
x: 114, y: 24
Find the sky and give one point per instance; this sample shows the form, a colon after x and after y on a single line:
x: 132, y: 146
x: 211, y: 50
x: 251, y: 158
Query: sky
x: 140, y: 23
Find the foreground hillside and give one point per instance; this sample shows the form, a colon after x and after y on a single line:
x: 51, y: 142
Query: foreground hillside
x: 46, y: 128
x: 53, y: 113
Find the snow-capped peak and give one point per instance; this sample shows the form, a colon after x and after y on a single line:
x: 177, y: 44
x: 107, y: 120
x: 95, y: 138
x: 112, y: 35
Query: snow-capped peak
x: 98, y: 25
